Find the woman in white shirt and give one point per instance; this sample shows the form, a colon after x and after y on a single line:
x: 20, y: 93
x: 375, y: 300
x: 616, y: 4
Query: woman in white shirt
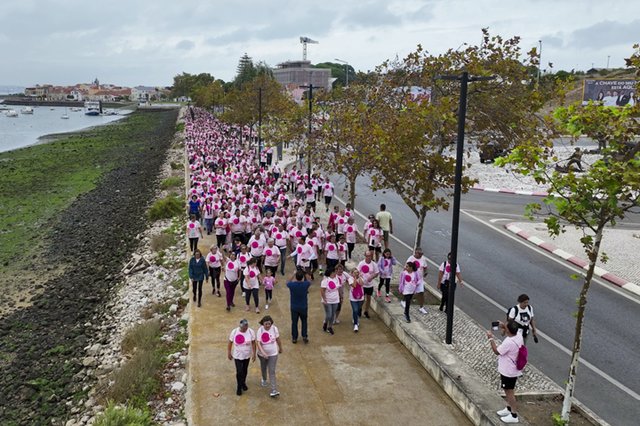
x: 330, y: 295
x: 251, y: 284
x: 231, y: 275
x: 213, y: 259
x: 269, y: 346
x: 242, y: 348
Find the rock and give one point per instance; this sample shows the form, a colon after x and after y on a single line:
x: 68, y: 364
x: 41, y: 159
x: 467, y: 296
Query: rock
x: 177, y: 386
x: 169, y: 401
x: 94, y: 350
x: 90, y: 403
x: 89, y: 361
x: 173, y: 308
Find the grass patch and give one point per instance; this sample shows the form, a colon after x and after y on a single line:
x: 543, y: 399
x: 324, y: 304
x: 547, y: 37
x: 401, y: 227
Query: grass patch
x: 162, y: 241
x: 172, y: 182
x: 179, y: 127
x: 141, y: 337
x: 176, y: 166
x: 124, y: 416
x: 166, y: 208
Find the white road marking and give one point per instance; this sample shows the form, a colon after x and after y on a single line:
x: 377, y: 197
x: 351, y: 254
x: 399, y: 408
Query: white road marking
x: 554, y: 342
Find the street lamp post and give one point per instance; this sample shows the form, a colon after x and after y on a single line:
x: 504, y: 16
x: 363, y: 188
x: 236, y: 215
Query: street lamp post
x: 346, y: 69
x: 462, y: 113
x: 310, y: 87
x: 259, y: 123
x: 539, y: 61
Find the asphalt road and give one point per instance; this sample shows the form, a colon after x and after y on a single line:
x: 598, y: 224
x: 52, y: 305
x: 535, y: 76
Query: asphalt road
x: 499, y: 266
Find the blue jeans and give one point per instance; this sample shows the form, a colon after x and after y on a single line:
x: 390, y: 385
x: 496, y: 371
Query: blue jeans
x: 356, y: 309
x: 283, y: 258
x: 295, y: 315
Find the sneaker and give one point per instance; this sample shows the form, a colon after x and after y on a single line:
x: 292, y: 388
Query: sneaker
x: 330, y: 330
x: 245, y: 388
x: 509, y: 419
x: 387, y: 299
x: 274, y: 393
x: 406, y: 317
x: 366, y: 314
x: 257, y: 310
x: 324, y: 326
x: 266, y: 307
x: 403, y: 304
x: 246, y: 308
x: 378, y: 293
x: 294, y: 341
x: 199, y: 304
x: 219, y: 294
x: 263, y: 383
x: 423, y: 310
x: 337, y: 321
x: 228, y: 308
x: 238, y: 391
x: 503, y: 412
x: 355, y: 328
x: 305, y: 340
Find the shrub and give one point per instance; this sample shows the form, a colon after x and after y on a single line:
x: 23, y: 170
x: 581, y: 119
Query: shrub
x: 175, y: 166
x: 141, y: 337
x: 179, y: 127
x: 172, y: 182
x: 166, y: 208
x: 123, y: 416
x: 162, y: 241
x: 137, y: 380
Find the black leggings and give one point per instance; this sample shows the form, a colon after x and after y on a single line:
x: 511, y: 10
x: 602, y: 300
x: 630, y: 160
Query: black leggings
x: 268, y: 295
x: 242, y: 368
x: 407, y: 303
x: 214, y: 273
x: 193, y: 244
x: 350, y: 247
x: 197, y: 290
x: 386, y: 282
x: 220, y: 240
x: 255, y: 293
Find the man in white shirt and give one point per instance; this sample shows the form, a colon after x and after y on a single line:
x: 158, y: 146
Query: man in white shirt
x: 421, y: 267
x: 368, y: 271
x: 522, y: 314
x: 385, y: 220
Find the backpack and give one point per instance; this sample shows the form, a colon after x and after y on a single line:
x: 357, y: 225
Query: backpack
x: 521, y: 360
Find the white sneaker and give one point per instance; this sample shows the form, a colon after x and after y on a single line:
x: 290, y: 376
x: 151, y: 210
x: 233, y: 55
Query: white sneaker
x: 403, y: 304
x: 503, y: 412
x: 266, y: 307
x: 263, y: 383
x: 274, y: 393
x: 422, y: 310
x: 355, y: 328
x: 510, y: 419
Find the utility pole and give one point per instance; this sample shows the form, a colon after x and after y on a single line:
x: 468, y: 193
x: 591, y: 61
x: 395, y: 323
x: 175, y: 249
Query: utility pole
x: 259, y: 123
x: 539, y: 61
x: 455, y: 225
x: 310, y: 87
x: 608, y: 57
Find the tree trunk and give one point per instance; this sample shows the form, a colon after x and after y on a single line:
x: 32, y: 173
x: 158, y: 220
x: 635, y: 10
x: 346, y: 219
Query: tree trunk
x: 577, y: 340
x: 419, y: 228
x: 352, y: 192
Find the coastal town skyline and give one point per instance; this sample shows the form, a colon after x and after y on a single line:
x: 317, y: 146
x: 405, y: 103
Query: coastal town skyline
x: 154, y: 41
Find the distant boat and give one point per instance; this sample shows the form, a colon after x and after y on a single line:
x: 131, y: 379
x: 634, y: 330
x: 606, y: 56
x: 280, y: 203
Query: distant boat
x: 26, y: 110
x: 65, y: 116
x: 92, y: 108
x: 11, y: 113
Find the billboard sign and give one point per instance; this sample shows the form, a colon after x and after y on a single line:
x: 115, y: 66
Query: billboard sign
x: 609, y: 92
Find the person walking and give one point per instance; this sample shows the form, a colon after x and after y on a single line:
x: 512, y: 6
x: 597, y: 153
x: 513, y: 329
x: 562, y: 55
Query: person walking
x: 198, y: 273
x: 369, y: 272
x: 444, y: 279
x: 214, y: 262
x: 269, y: 281
x: 251, y: 284
x: 507, y: 353
x: 299, y: 291
x: 356, y: 297
x: 385, y: 265
x: 522, y: 314
x: 194, y: 232
x: 241, y: 349
x: 231, y: 276
x: 385, y: 220
x: 420, y: 261
x: 330, y: 295
x: 269, y: 346
x: 409, y: 280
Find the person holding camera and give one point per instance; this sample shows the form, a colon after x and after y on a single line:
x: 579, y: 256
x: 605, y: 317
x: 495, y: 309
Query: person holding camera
x: 444, y: 275
x: 522, y: 314
x: 507, y: 353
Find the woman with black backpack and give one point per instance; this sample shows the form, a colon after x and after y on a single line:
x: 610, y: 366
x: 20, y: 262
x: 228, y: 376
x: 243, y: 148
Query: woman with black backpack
x: 444, y: 275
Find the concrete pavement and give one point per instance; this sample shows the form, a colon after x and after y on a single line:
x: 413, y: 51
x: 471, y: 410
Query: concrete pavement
x: 347, y: 378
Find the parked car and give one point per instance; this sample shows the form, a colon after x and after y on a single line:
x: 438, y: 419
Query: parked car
x: 490, y: 151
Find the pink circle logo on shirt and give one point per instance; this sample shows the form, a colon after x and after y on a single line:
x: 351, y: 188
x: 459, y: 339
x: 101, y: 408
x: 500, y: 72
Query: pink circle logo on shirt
x: 269, y: 252
x: 265, y: 337
x: 386, y: 263
x: 331, y: 285
x: 220, y: 223
x: 253, y: 219
x: 192, y: 225
x: 230, y: 265
x: 239, y: 339
x: 365, y: 268
x: 255, y: 244
x: 348, y: 214
x: 331, y: 247
x: 243, y: 259
x: 341, y: 221
x: 298, y: 234
x: 327, y: 187
x: 279, y: 236
x: 407, y: 278
x: 252, y: 274
x: 349, y: 228
x: 236, y: 221
x: 212, y: 258
x: 417, y: 264
x: 299, y: 250
x: 448, y: 268
x: 310, y: 242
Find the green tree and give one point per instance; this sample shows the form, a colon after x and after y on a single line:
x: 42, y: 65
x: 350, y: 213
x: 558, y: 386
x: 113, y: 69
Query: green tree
x: 209, y: 96
x: 589, y: 201
x: 339, y: 71
x: 245, y: 71
x: 186, y: 84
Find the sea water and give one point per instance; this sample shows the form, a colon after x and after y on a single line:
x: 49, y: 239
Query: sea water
x: 24, y: 130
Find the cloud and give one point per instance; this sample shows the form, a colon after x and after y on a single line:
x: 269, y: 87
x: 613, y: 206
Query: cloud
x: 604, y: 34
x: 185, y: 45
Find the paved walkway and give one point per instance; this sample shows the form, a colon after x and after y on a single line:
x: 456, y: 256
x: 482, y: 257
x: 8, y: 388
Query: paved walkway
x: 348, y: 378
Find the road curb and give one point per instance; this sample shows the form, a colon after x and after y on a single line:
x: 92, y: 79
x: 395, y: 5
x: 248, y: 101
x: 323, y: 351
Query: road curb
x: 511, y: 191
x: 579, y: 262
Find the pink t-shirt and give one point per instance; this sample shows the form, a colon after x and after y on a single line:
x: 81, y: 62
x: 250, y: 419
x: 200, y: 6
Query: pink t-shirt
x: 268, y: 283
x: 508, y: 350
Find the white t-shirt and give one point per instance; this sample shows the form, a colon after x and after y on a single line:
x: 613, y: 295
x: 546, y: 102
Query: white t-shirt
x: 332, y: 250
x: 271, y: 256
x: 213, y: 260
x: 221, y: 226
x: 232, y: 269
x: 446, y: 270
x: 280, y: 238
x: 193, y: 229
x: 331, y: 286
x: 251, y: 274
x: 327, y: 189
x: 256, y: 245
x: 241, y: 343
x: 521, y: 316
x: 267, y: 339
x: 422, y: 269
x: 350, y: 231
x: 368, y: 272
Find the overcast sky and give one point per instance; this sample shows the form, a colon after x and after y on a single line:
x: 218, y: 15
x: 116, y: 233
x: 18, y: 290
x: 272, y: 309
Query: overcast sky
x: 133, y: 42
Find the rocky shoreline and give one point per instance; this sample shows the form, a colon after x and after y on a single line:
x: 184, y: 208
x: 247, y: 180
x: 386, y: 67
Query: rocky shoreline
x: 49, y: 348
